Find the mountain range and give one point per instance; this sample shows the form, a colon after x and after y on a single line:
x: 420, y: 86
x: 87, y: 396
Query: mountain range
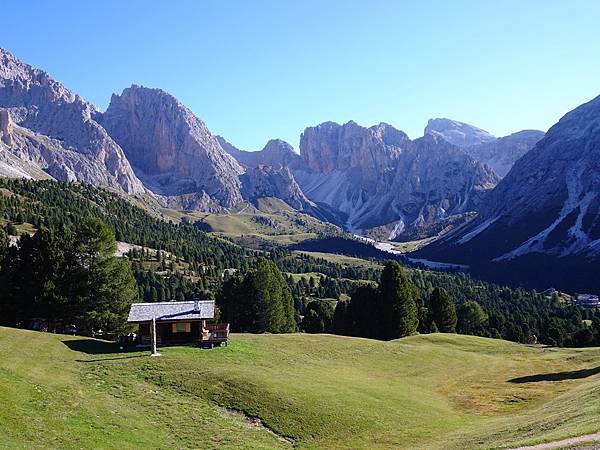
x: 494, y: 200
x: 369, y: 180
x: 546, y: 210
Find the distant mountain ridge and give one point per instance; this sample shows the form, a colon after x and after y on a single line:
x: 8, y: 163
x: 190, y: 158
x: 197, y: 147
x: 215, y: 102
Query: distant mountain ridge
x: 47, y: 128
x: 371, y: 180
x: 276, y: 153
x: 548, y: 206
x: 378, y: 179
x: 498, y: 153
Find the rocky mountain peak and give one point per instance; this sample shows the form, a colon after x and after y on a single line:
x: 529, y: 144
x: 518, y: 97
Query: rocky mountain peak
x: 171, y: 150
x: 498, y: 153
x: 329, y: 146
x: 56, y: 129
x: 276, y: 153
x: 389, y: 135
x: 18, y: 79
x: 458, y: 133
x: 549, y: 203
x: 381, y: 179
x: 268, y: 181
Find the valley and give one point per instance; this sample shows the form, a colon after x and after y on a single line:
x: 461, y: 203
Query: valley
x: 259, y: 225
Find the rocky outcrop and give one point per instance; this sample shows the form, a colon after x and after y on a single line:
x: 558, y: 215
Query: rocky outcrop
x: 6, y: 127
x: 378, y: 177
x: 549, y: 203
x: 498, y: 153
x: 268, y: 181
x: 332, y: 147
x: 58, y: 131
x: 276, y: 153
x: 458, y: 133
x: 502, y: 153
x: 171, y: 150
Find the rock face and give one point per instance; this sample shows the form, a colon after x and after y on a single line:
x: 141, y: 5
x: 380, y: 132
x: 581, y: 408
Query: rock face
x: 276, y: 153
x: 498, y: 153
x: 332, y: 147
x: 549, y: 203
x: 268, y: 181
x: 55, y: 130
x: 502, y: 153
x: 458, y: 133
x: 365, y: 178
x: 171, y: 150
x: 6, y: 127
x: 378, y: 177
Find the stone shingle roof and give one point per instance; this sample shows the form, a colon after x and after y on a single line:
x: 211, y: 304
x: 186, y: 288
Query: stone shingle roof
x: 143, y: 312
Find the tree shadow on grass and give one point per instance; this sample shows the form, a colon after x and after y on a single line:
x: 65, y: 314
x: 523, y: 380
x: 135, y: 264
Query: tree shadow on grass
x: 96, y: 347
x: 558, y: 376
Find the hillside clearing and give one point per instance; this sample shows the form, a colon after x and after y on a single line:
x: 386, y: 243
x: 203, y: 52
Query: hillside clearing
x: 321, y: 391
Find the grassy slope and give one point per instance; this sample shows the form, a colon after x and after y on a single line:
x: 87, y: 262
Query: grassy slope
x: 434, y: 391
x: 347, y: 261
x: 270, y: 220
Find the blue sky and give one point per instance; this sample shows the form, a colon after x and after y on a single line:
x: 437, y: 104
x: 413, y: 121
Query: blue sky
x: 255, y: 70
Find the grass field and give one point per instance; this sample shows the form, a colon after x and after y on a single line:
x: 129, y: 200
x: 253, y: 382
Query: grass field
x: 348, y: 261
x: 318, y: 391
x: 269, y: 220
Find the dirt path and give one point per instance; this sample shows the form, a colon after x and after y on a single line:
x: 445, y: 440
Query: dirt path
x: 587, y: 442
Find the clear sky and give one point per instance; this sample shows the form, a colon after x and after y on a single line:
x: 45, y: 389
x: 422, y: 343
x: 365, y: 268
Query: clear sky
x: 255, y: 70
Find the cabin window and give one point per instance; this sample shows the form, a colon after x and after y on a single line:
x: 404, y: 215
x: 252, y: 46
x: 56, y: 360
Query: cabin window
x: 181, y: 327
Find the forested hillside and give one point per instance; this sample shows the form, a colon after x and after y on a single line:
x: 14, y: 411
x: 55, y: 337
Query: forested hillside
x: 57, y: 206
x: 179, y: 261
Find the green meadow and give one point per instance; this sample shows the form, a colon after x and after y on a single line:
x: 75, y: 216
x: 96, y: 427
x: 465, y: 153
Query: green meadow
x: 436, y: 391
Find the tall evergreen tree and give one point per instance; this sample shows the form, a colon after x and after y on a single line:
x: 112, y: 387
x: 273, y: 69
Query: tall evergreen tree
x: 363, y: 317
x: 4, y: 241
x: 442, y: 311
x: 33, y: 279
x: 261, y: 302
x: 397, y: 303
x: 471, y: 317
x: 104, y: 286
x: 340, y: 319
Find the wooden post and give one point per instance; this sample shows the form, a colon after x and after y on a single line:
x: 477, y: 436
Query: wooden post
x: 153, y: 337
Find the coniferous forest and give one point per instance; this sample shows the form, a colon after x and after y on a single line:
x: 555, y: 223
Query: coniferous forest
x: 67, y: 246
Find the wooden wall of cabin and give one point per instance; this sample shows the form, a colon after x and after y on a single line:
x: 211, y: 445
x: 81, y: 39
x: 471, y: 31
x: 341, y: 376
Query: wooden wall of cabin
x: 165, y: 331
x: 165, y: 334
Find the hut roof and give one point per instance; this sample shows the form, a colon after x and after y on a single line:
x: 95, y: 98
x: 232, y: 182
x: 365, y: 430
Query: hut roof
x: 164, y: 311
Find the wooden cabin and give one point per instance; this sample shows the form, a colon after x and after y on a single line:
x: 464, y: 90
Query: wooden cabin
x: 179, y: 323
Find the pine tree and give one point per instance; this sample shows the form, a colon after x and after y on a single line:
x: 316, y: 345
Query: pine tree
x: 471, y: 316
x: 397, y: 297
x: 261, y: 302
x: 364, y: 318
x: 433, y: 328
x: 4, y: 241
x: 442, y: 311
x: 104, y: 285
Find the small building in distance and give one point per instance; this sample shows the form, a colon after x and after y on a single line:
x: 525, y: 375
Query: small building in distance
x: 179, y: 323
x: 586, y: 300
x: 228, y: 273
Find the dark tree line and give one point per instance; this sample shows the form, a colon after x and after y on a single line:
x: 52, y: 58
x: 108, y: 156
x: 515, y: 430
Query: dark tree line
x: 481, y: 308
x: 292, y: 262
x: 60, y: 206
x: 399, y: 306
x: 259, y: 302
x: 66, y: 279
x: 388, y: 311
x: 153, y: 287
